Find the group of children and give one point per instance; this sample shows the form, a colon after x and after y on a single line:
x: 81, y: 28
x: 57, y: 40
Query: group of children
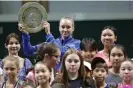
x: 66, y: 62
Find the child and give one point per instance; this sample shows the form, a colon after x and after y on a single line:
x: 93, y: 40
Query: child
x: 49, y: 54
x: 73, y: 72
x: 126, y: 72
x: 42, y: 75
x: 108, y: 39
x: 100, y: 70
x: 88, y: 48
x: 11, y: 69
x: 116, y: 56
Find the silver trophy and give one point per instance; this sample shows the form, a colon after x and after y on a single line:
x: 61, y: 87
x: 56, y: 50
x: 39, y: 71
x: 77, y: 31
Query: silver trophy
x: 31, y: 16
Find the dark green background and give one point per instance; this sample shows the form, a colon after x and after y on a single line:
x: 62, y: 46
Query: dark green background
x: 82, y: 29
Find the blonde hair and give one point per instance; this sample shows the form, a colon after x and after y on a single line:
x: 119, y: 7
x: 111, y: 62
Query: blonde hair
x: 69, y: 18
x: 11, y: 59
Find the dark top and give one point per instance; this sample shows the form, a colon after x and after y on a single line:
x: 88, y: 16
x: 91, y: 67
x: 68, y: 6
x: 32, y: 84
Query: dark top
x: 78, y: 83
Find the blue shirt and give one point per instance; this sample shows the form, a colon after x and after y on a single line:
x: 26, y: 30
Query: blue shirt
x: 63, y: 45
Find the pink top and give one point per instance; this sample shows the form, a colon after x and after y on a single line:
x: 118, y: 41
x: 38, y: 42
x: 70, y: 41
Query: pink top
x: 124, y: 86
x: 31, y: 77
x: 105, y: 57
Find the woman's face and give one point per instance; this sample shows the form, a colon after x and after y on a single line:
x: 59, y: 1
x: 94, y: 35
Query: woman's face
x: 13, y: 46
x: 72, y: 63
x: 116, y: 57
x: 66, y: 28
x: 42, y: 73
x: 108, y: 37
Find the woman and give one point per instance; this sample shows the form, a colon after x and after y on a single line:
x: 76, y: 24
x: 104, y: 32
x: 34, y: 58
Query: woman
x: 72, y: 74
x: 64, y: 42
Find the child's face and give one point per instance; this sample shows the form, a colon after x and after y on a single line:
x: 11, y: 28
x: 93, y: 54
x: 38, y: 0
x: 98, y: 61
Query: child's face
x: 116, y: 57
x: 13, y: 46
x: 89, y: 55
x: 126, y: 71
x: 10, y: 69
x: 72, y: 63
x: 42, y: 73
x: 99, y: 74
x: 108, y: 37
x: 55, y: 59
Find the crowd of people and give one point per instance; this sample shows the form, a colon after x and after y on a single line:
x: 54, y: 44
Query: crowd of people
x: 66, y: 62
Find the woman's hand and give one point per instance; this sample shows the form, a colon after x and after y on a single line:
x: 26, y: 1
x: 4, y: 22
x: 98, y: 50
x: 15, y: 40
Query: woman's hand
x: 22, y: 28
x: 46, y: 26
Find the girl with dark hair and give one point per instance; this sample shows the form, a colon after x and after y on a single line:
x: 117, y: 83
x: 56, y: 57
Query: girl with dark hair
x: 49, y: 54
x: 116, y: 56
x: 108, y: 39
x: 42, y: 75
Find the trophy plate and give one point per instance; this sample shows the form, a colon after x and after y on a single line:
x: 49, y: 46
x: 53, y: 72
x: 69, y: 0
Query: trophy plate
x: 31, y: 16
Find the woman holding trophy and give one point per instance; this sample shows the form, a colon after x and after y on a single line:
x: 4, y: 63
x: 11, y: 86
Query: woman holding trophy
x: 32, y: 18
x: 64, y: 42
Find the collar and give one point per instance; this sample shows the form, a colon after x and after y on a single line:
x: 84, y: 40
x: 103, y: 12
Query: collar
x: 66, y: 39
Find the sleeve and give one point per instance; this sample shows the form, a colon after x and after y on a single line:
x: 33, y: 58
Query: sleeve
x: 50, y: 38
x: 28, y: 49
